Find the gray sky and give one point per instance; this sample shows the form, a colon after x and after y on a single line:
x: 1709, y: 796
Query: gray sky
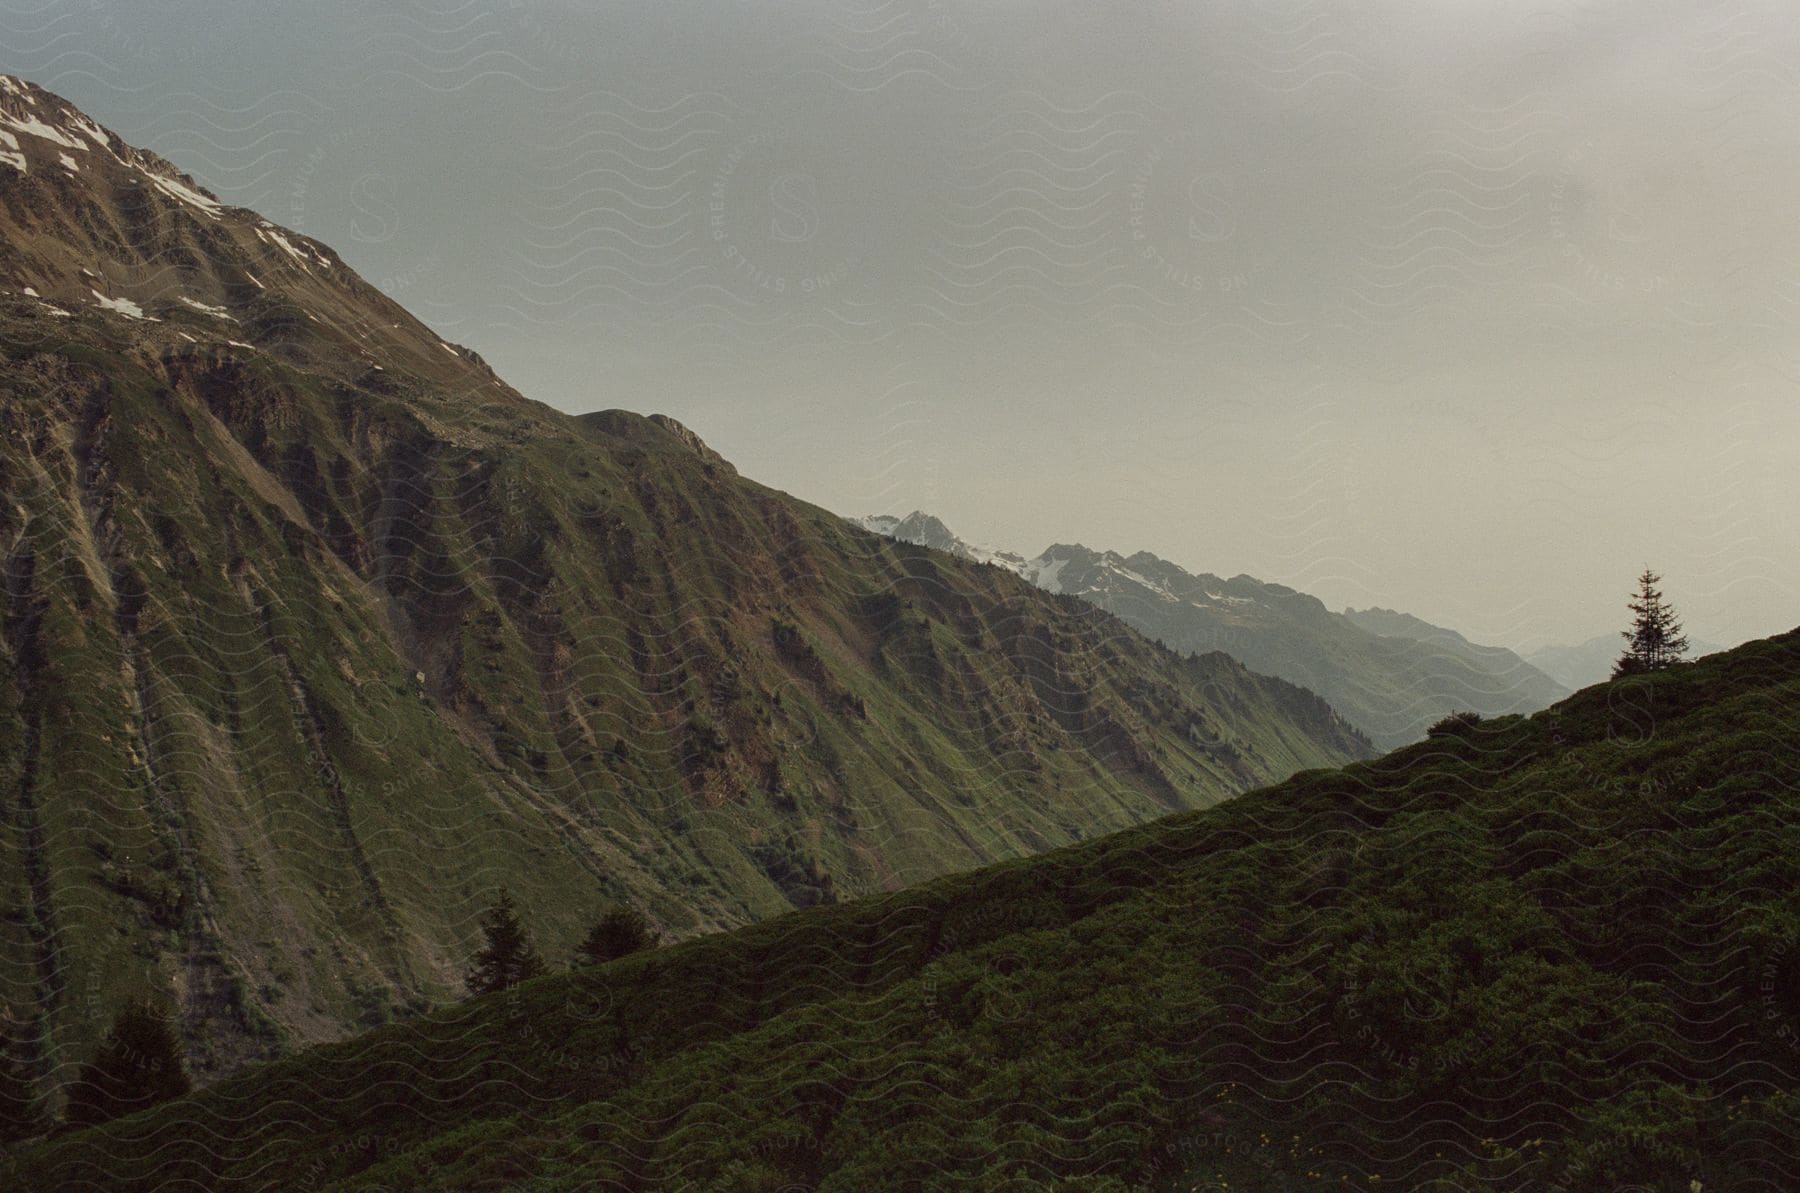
x: 1465, y: 307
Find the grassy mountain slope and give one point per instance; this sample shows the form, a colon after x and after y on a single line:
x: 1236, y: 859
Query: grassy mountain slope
x: 315, y: 633
x: 1560, y: 952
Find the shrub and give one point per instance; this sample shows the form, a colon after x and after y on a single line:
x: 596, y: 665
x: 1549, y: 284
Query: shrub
x: 1454, y: 725
x: 618, y: 932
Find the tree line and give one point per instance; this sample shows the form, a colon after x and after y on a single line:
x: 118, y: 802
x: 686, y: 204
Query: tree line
x: 139, y: 1062
x: 508, y: 957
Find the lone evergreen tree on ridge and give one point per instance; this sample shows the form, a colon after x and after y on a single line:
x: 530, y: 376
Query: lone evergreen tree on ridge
x: 508, y: 957
x: 1655, y: 640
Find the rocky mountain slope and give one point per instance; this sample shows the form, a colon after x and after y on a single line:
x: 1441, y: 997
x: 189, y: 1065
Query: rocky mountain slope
x: 1555, y: 953
x: 1389, y: 673
x: 315, y: 633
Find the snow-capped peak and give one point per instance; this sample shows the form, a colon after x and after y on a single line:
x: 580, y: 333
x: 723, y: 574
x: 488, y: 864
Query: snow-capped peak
x: 27, y: 109
x: 1075, y: 569
x: 923, y: 530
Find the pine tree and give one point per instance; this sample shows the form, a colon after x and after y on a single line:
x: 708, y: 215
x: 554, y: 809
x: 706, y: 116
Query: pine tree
x: 21, y: 1111
x: 137, y: 1065
x: 508, y: 958
x: 1654, y: 640
x: 618, y: 932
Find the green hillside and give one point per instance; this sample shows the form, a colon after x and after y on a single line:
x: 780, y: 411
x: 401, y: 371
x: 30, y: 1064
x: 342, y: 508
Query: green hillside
x: 1548, y: 953
x: 315, y: 633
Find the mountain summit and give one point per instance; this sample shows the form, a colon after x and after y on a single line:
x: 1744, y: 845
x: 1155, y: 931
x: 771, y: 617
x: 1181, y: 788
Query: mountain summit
x: 93, y: 226
x: 316, y: 634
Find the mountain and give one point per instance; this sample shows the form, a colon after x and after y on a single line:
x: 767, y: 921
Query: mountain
x: 923, y: 530
x: 316, y: 634
x: 1391, y: 623
x: 1390, y: 674
x: 1560, y: 952
x: 1592, y: 661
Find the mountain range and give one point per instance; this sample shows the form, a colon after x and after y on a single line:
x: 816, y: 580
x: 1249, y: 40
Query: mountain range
x: 316, y: 634
x: 1390, y: 674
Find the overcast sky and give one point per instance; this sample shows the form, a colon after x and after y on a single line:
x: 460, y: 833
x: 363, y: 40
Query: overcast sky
x: 1465, y: 307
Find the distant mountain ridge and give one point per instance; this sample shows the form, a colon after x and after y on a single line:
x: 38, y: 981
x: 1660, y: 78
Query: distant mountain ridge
x: 315, y: 633
x: 1390, y: 673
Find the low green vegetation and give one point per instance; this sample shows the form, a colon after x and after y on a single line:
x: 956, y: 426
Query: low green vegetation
x: 619, y: 932
x: 1546, y: 953
x: 1454, y: 723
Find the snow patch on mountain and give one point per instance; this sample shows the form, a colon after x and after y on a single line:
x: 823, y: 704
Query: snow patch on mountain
x: 270, y: 236
x: 122, y: 306
x: 923, y: 530
x: 37, y: 128
x: 1064, y: 568
x: 178, y: 190
x: 1143, y: 581
x: 204, y: 309
x: 92, y: 132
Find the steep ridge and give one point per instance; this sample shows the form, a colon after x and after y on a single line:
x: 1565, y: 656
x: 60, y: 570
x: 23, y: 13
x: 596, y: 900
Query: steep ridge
x: 1390, y: 674
x: 1560, y: 952
x: 94, y: 226
x: 316, y: 633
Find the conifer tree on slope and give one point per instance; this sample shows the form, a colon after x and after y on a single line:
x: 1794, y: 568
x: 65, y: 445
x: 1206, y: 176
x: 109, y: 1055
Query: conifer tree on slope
x: 1654, y: 640
x: 508, y: 957
x: 137, y: 1065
